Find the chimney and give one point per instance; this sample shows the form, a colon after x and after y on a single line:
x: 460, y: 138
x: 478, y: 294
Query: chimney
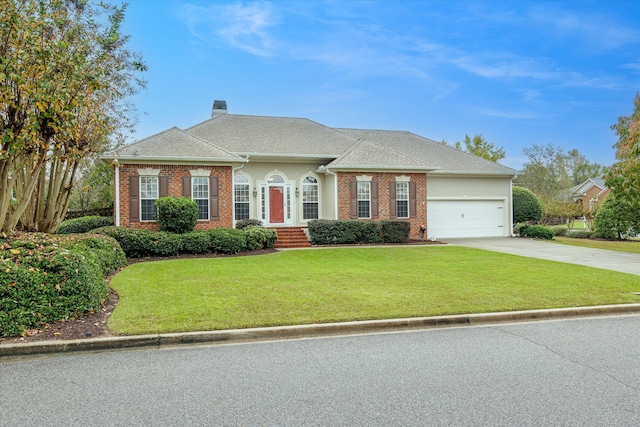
x: 219, y: 107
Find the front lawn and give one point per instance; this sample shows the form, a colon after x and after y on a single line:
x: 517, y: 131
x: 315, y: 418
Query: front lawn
x: 342, y: 284
x: 613, y: 245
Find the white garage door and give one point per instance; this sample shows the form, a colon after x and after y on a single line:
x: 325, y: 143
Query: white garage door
x: 464, y: 218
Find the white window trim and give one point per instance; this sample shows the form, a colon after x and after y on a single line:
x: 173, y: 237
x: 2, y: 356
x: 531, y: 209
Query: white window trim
x: 200, y: 172
x: 149, y: 172
x: 364, y: 178
x: 208, y: 198
x: 301, y: 202
x: 406, y: 200
x: 140, y: 190
x: 403, y: 178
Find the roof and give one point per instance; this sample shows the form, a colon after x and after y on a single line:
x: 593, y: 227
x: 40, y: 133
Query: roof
x: 588, y: 184
x: 233, y: 138
x: 173, y: 145
x: 448, y: 159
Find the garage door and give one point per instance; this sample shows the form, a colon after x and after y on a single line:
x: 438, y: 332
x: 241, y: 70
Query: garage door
x: 465, y: 218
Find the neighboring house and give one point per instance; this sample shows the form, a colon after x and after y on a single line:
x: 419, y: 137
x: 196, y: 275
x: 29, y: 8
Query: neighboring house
x: 590, y: 193
x: 288, y: 171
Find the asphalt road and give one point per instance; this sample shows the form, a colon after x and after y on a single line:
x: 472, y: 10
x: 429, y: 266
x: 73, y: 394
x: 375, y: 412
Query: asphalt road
x: 568, y: 372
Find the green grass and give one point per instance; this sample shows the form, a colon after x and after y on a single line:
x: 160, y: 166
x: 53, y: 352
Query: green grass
x: 612, y: 245
x: 342, y: 284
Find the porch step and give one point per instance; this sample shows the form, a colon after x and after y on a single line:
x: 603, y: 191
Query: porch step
x: 291, y: 237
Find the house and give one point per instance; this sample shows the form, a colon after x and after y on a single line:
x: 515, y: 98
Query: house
x: 287, y: 171
x: 590, y: 193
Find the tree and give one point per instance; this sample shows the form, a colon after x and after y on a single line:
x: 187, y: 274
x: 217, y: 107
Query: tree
x: 624, y: 176
x: 65, y: 77
x: 580, y: 169
x: 617, y: 217
x: 478, y: 146
x: 93, y: 188
x: 526, y: 206
x: 546, y: 171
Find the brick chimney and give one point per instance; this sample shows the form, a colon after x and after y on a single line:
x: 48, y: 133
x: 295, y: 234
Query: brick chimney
x: 219, y: 107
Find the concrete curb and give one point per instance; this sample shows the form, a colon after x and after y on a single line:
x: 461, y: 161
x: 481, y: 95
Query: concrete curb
x: 305, y: 331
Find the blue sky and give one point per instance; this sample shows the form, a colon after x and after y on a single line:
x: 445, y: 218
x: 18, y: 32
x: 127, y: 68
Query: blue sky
x: 519, y: 73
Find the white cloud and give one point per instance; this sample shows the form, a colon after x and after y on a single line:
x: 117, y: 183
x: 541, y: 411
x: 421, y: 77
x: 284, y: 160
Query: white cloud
x: 243, y: 26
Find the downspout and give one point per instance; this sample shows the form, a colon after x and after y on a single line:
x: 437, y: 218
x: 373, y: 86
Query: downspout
x: 511, y: 233
x: 335, y: 192
x: 117, y: 191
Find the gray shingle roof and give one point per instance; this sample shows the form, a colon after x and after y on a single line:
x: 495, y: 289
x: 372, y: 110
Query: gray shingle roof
x: 273, y: 136
x: 448, y: 159
x: 226, y: 137
x: 174, y: 144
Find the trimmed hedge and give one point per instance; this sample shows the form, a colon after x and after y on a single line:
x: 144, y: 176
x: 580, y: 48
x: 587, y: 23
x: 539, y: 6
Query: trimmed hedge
x: 244, y: 223
x: 537, y: 232
x: 195, y: 242
x: 44, y: 278
x: 345, y: 232
x: 177, y: 214
x: 84, y: 224
x: 227, y: 240
x: 395, y: 231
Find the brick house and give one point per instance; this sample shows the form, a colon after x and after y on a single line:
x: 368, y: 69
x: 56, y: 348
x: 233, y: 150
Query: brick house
x: 590, y: 193
x: 288, y: 171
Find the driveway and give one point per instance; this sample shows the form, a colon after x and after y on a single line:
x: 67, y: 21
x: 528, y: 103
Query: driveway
x: 599, y: 258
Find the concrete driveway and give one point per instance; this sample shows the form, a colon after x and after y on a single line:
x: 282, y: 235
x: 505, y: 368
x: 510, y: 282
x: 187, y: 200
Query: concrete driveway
x: 610, y: 260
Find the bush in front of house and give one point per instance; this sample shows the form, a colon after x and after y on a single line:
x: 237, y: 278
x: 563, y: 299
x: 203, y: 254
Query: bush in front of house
x: 537, y: 232
x: 517, y: 228
x: 559, y: 230
x: 105, y: 249
x: 395, y: 231
x: 135, y: 242
x: 177, y: 214
x: 256, y: 238
x: 83, y: 224
x: 227, y: 240
x: 195, y: 242
x: 617, y: 218
x: 164, y: 243
x: 526, y: 205
x: 343, y: 232
x: 44, y: 278
x: 244, y: 223
x: 580, y: 234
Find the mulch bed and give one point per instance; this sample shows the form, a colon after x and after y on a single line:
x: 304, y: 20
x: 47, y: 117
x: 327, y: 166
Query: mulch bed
x: 94, y: 325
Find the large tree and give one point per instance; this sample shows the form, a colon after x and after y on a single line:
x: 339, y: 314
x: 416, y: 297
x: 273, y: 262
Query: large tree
x: 624, y: 176
x: 65, y: 77
x: 580, y: 169
x: 478, y: 146
x: 546, y: 171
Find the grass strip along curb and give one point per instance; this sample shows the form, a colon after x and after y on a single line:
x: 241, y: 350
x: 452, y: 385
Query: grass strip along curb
x: 306, y: 331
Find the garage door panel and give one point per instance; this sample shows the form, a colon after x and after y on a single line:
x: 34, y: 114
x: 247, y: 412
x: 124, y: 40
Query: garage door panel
x: 465, y: 218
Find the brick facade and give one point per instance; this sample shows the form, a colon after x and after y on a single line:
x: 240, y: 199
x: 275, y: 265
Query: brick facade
x: 175, y: 173
x: 383, y: 179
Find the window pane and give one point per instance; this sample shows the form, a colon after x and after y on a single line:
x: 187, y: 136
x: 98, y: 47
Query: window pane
x: 148, y: 196
x: 200, y: 194
x: 364, y: 205
x: 242, y: 210
x: 402, y: 208
x: 402, y: 199
x: 363, y: 209
x: 148, y: 211
x: 310, y: 210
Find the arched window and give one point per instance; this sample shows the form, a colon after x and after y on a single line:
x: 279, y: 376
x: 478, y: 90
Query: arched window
x: 310, y: 198
x: 241, y: 197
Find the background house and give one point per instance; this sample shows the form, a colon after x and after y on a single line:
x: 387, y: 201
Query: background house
x: 590, y: 193
x: 288, y: 171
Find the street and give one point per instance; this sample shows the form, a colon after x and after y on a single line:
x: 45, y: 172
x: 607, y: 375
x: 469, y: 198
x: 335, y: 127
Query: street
x: 568, y: 372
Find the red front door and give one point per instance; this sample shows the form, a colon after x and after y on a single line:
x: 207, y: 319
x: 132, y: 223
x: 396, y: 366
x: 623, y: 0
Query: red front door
x: 276, y: 205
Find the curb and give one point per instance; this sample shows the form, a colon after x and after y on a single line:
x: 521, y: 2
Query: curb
x: 305, y: 331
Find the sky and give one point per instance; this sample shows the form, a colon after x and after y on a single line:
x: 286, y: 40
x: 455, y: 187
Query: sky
x: 517, y: 72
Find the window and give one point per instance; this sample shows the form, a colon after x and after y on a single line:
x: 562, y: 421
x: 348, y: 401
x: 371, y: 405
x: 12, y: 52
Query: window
x: 309, y: 198
x: 402, y: 199
x: 241, y: 197
x: 148, y: 197
x: 200, y: 194
x: 364, y: 199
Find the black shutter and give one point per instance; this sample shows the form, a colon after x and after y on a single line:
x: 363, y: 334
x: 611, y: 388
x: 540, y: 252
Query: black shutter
x: 163, y: 186
x: 393, y: 214
x: 353, y: 198
x: 374, y: 199
x: 134, y: 198
x: 413, y: 200
x: 186, y: 186
x: 214, y: 193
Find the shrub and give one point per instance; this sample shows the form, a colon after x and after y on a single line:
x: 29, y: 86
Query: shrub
x: 105, y: 249
x: 45, y: 279
x: 616, y: 218
x: 256, y: 238
x: 83, y: 224
x: 177, y: 214
x: 271, y: 238
x: 526, y: 206
x: 580, y: 234
x: 559, y: 230
x: 321, y: 231
x: 227, y: 240
x: 163, y: 243
x: 537, y: 232
x: 517, y: 228
x: 244, y: 223
x: 195, y: 242
x: 134, y: 242
x: 395, y: 231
